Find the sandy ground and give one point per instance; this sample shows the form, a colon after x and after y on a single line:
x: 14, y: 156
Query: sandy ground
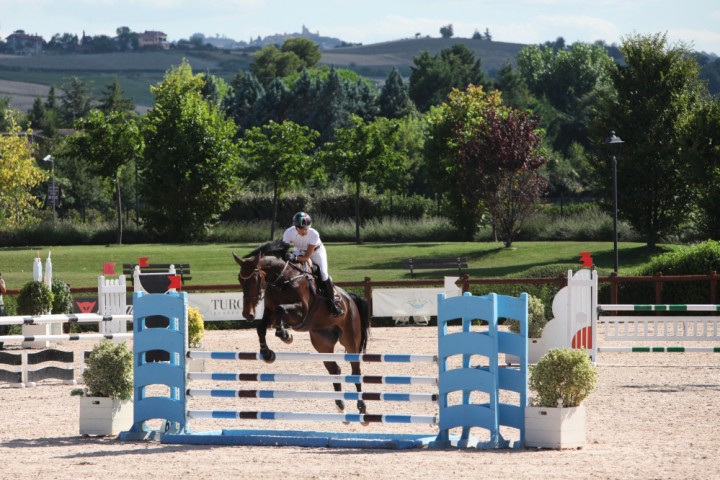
x: 653, y: 416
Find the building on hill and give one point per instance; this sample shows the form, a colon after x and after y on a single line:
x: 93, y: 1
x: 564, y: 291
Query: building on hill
x: 153, y: 39
x: 20, y: 43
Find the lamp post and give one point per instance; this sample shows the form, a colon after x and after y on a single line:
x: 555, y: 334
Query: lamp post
x: 53, y: 191
x: 613, y: 141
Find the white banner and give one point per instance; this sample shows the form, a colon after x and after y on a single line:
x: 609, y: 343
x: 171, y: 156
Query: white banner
x: 411, y: 302
x: 221, y: 306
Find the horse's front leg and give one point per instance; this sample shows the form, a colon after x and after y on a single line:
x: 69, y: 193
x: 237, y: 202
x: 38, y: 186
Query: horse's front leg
x: 334, y: 369
x: 281, y: 313
x: 267, y: 355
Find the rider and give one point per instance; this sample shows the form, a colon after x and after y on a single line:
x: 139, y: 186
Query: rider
x: 308, y: 246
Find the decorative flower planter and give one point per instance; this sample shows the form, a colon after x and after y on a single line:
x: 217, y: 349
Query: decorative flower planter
x: 104, y: 415
x: 555, y: 427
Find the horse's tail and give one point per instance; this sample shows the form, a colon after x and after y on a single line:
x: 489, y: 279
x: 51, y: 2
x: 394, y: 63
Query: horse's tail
x: 364, y: 310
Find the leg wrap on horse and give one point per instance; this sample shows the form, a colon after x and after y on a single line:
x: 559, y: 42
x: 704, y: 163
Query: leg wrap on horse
x: 335, y: 304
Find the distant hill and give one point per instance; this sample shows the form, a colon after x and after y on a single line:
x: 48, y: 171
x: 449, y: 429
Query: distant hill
x: 379, y: 58
x: 23, y: 78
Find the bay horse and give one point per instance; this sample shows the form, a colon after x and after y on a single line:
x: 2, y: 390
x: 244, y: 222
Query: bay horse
x: 292, y: 299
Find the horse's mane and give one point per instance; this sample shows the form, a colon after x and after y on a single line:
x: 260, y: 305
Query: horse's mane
x: 275, y: 248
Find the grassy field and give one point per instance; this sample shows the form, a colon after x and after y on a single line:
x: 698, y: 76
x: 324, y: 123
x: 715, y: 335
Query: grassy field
x: 212, y: 264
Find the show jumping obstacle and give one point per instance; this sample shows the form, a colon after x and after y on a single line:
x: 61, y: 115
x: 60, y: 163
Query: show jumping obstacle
x: 173, y: 411
x: 27, y: 366
x: 579, y: 323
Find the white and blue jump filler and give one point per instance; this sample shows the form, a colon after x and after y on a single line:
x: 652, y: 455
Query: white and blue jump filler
x: 464, y: 344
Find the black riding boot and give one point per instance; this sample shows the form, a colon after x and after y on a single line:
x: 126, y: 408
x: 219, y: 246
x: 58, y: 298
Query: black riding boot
x: 335, y: 304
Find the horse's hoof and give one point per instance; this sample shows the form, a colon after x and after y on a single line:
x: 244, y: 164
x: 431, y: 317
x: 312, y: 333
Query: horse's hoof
x: 268, y: 356
x: 365, y: 424
x: 288, y: 340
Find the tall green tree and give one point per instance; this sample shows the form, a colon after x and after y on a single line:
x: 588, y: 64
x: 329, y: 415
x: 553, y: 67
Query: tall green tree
x: 657, y: 90
x: 433, y: 77
x: 76, y: 100
x: 570, y: 80
x: 700, y: 143
x: 279, y: 154
x: 112, y: 99
x: 306, y: 50
x: 270, y: 62
x: 246, y: 92
x: 190, y: 166
x: 364, y: 154
x: 109, y: 142
x: 394, y: 100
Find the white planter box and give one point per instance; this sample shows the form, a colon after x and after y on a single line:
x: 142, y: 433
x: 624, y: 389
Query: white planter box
x: 105, y: 416
x: 555, y: 427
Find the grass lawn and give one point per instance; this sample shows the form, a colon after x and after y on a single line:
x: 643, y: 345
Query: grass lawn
x: 212, y: 264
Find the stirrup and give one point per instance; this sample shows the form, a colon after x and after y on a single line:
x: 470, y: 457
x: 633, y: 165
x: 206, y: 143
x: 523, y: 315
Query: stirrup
x: 335, y: 308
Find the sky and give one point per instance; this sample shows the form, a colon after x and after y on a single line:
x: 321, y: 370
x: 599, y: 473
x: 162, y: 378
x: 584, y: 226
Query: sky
x: 694, y: 22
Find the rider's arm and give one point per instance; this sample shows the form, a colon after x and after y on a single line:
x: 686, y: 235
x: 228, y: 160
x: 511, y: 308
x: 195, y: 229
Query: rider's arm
x: 308, y: 254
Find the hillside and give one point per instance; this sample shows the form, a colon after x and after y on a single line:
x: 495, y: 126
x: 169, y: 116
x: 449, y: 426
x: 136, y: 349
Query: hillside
x: 23, y: 78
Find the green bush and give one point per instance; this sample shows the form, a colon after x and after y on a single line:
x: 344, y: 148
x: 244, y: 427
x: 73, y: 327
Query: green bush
x: 196, y: 327
x: 562, y: 374
x: 699, y: 259
x: 62, y: 298
x: 35, y: 298
x: 536, y: 318
x: 109, y: 371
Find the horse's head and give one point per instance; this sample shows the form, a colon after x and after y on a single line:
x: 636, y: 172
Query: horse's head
x: 252, y: 281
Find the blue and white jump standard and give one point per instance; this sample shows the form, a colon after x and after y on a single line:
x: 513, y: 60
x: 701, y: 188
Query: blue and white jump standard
x: 465, y: 415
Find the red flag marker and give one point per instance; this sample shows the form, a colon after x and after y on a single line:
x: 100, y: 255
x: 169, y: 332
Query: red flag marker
x: 586, y: 259
x: 143, y: 262
x: 86, y: 307
x: 109, y: 268
x: 174, y: 282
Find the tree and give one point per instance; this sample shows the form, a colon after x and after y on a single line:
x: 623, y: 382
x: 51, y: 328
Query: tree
x: 364, y: 153
x: 657, y: 90
x: 306, y: 50
x: 112, y: 99
x: 190, y: 165
x: 394, y: 97
x: 76, y: 100
x: 127, y: 39
x: 278, y: 153
x: 570, y: 80
x: 485, y: 156
x: 446, y: 31
x: 246, y: 91
x: 700, y: 143
x: 433, y: 77
x: 19, y: 176
x: 108, y: 142
x: 270, y: 62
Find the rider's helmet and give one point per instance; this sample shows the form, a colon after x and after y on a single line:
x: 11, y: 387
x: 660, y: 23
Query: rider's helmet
x: 302, y: 220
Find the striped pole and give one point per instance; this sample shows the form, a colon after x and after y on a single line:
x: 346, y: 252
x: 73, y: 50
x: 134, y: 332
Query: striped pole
x: 659, y: 349
x: 58, y: 318
x: 74, y: 336
x: 289, y: 377
x: 316, y: 357
x: 314, y: 395
x: 312, y: 417
x: 658, y: 308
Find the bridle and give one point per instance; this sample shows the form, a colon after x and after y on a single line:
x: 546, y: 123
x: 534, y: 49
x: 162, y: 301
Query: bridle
x: 259, y: 275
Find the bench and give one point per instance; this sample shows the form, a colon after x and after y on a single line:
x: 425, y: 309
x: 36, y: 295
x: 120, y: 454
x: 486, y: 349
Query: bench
x: 442, y: 263
x: 181, y: 269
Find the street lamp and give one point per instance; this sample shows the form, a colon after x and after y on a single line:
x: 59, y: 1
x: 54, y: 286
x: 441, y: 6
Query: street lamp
x: 53, y: 192
x: 613, y: 141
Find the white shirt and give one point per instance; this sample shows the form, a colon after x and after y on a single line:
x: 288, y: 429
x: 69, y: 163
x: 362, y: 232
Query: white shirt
x: 302, y: 242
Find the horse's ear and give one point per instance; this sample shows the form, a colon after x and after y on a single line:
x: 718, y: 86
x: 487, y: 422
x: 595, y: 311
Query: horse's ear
x: 238, y: 260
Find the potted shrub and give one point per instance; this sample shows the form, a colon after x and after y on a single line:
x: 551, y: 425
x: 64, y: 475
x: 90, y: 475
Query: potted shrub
x: 106, y: 406
x: 536, y: 322
x: 560, y: 381
x: 35, y: 298
x: 196, y: 332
